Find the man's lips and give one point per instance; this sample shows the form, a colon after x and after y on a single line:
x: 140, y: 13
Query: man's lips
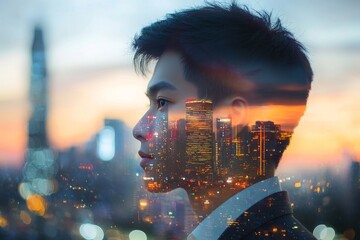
x: 144, y: 155
x: 146, y: 159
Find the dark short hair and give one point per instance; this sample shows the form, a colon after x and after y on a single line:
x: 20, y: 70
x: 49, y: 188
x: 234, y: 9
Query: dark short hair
x: 214, y: 39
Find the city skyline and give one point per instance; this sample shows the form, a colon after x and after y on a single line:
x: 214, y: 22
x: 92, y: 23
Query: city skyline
x: 208, y: 149
x: 77, y: 70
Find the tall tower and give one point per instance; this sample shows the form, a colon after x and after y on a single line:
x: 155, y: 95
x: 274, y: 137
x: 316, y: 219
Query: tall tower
x: 224, y: 144
x: 40, y: 167
x: 264, y: 145
x: 199, y: 139
x: 161, y: 143
x: 157, y: 128
x: 37, y: 136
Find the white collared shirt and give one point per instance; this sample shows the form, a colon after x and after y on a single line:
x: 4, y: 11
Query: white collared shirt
x: 216, y: 223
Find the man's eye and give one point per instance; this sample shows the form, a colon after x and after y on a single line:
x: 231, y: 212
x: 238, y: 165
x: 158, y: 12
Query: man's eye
x: 161, y: 102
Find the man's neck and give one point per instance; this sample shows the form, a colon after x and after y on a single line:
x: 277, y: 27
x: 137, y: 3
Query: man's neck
x: 218, y: 220
x: 206, y: 197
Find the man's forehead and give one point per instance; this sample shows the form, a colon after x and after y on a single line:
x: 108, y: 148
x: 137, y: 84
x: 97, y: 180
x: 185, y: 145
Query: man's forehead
x: 154, y: 87
x: 168, y: 65
x: 168, y: 73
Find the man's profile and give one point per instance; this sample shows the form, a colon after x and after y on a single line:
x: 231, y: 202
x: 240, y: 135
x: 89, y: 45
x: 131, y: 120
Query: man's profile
x: 228, y: 89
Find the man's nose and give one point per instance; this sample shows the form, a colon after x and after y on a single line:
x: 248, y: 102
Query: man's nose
x: 138, y: 131
x: 144, y: 129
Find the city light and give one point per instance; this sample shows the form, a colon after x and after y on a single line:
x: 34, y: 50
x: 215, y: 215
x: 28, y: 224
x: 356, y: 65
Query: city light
x: 25, y: 217
x: 114, y: 234
x: 148, y: 178
x: 137, y: 235
x: 36, y: 204
x: 143, y: 204
x: 106, y: 144
x: 3, y: 222
x: 91, y: 232
x: 43, y: 186
x: 24, y: 190
x: 322, y: 232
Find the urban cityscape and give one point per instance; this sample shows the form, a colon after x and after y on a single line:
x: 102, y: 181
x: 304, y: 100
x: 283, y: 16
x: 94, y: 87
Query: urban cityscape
x: 190, y: 153
x: 100, y: 185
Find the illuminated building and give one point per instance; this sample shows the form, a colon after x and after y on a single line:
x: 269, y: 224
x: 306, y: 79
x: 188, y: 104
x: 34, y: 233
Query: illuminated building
x: 181, y: 145
x: 161, y: 143
x: 224, y: 145
x: 160, y: 136
x: 157, y: 133
x: 267, y: 144
x: 176, y: 145
x: 283, y: 141
x: 260, y: 143
x: 148, y: 124
x: 236, y: 147
x: 199, y: 139
x: 173, y: 138
x: 241, y: 150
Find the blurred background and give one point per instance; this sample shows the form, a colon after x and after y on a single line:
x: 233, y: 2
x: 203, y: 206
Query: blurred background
x: 66, y: 71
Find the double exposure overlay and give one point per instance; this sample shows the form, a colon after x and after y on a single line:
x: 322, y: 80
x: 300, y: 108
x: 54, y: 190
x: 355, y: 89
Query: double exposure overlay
x: 215, y: 151
x: 247, y: 129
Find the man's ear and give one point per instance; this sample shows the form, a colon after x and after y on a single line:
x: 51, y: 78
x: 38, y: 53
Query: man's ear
x: 239, y: 111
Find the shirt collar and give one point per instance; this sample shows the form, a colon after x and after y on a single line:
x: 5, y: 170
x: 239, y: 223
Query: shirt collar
x: 216, y: 223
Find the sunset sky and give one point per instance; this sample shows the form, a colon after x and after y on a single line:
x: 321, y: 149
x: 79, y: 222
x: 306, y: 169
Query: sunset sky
x: 91, y: 75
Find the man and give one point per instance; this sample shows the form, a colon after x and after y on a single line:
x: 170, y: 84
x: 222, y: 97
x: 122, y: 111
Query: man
x: 227, y: 91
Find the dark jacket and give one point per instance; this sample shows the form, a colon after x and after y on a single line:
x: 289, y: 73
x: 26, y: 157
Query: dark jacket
x: 270, y: 218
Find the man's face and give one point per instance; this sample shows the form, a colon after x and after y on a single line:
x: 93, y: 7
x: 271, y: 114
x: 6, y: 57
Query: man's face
x: 158, y: 130
x: 186, y: 141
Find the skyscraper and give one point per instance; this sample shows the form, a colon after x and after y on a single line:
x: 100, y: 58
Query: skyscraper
x: 37, y: 136
x: 40, y: 166
x: 176, y: 154
x: 264, y: 144
x: 224, y: 144
x: 157, y: 133
x: 181, y: 145
x: 199, y: 139
x: 241, y: 150
x: 161, y: 143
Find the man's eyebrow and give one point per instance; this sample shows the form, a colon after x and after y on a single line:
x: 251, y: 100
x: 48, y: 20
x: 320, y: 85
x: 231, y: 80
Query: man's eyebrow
x: 151, y: 91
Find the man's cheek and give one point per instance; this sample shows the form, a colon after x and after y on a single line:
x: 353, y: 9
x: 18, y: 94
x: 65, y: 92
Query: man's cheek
x: 159, y: 141
x: 176, y: 112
